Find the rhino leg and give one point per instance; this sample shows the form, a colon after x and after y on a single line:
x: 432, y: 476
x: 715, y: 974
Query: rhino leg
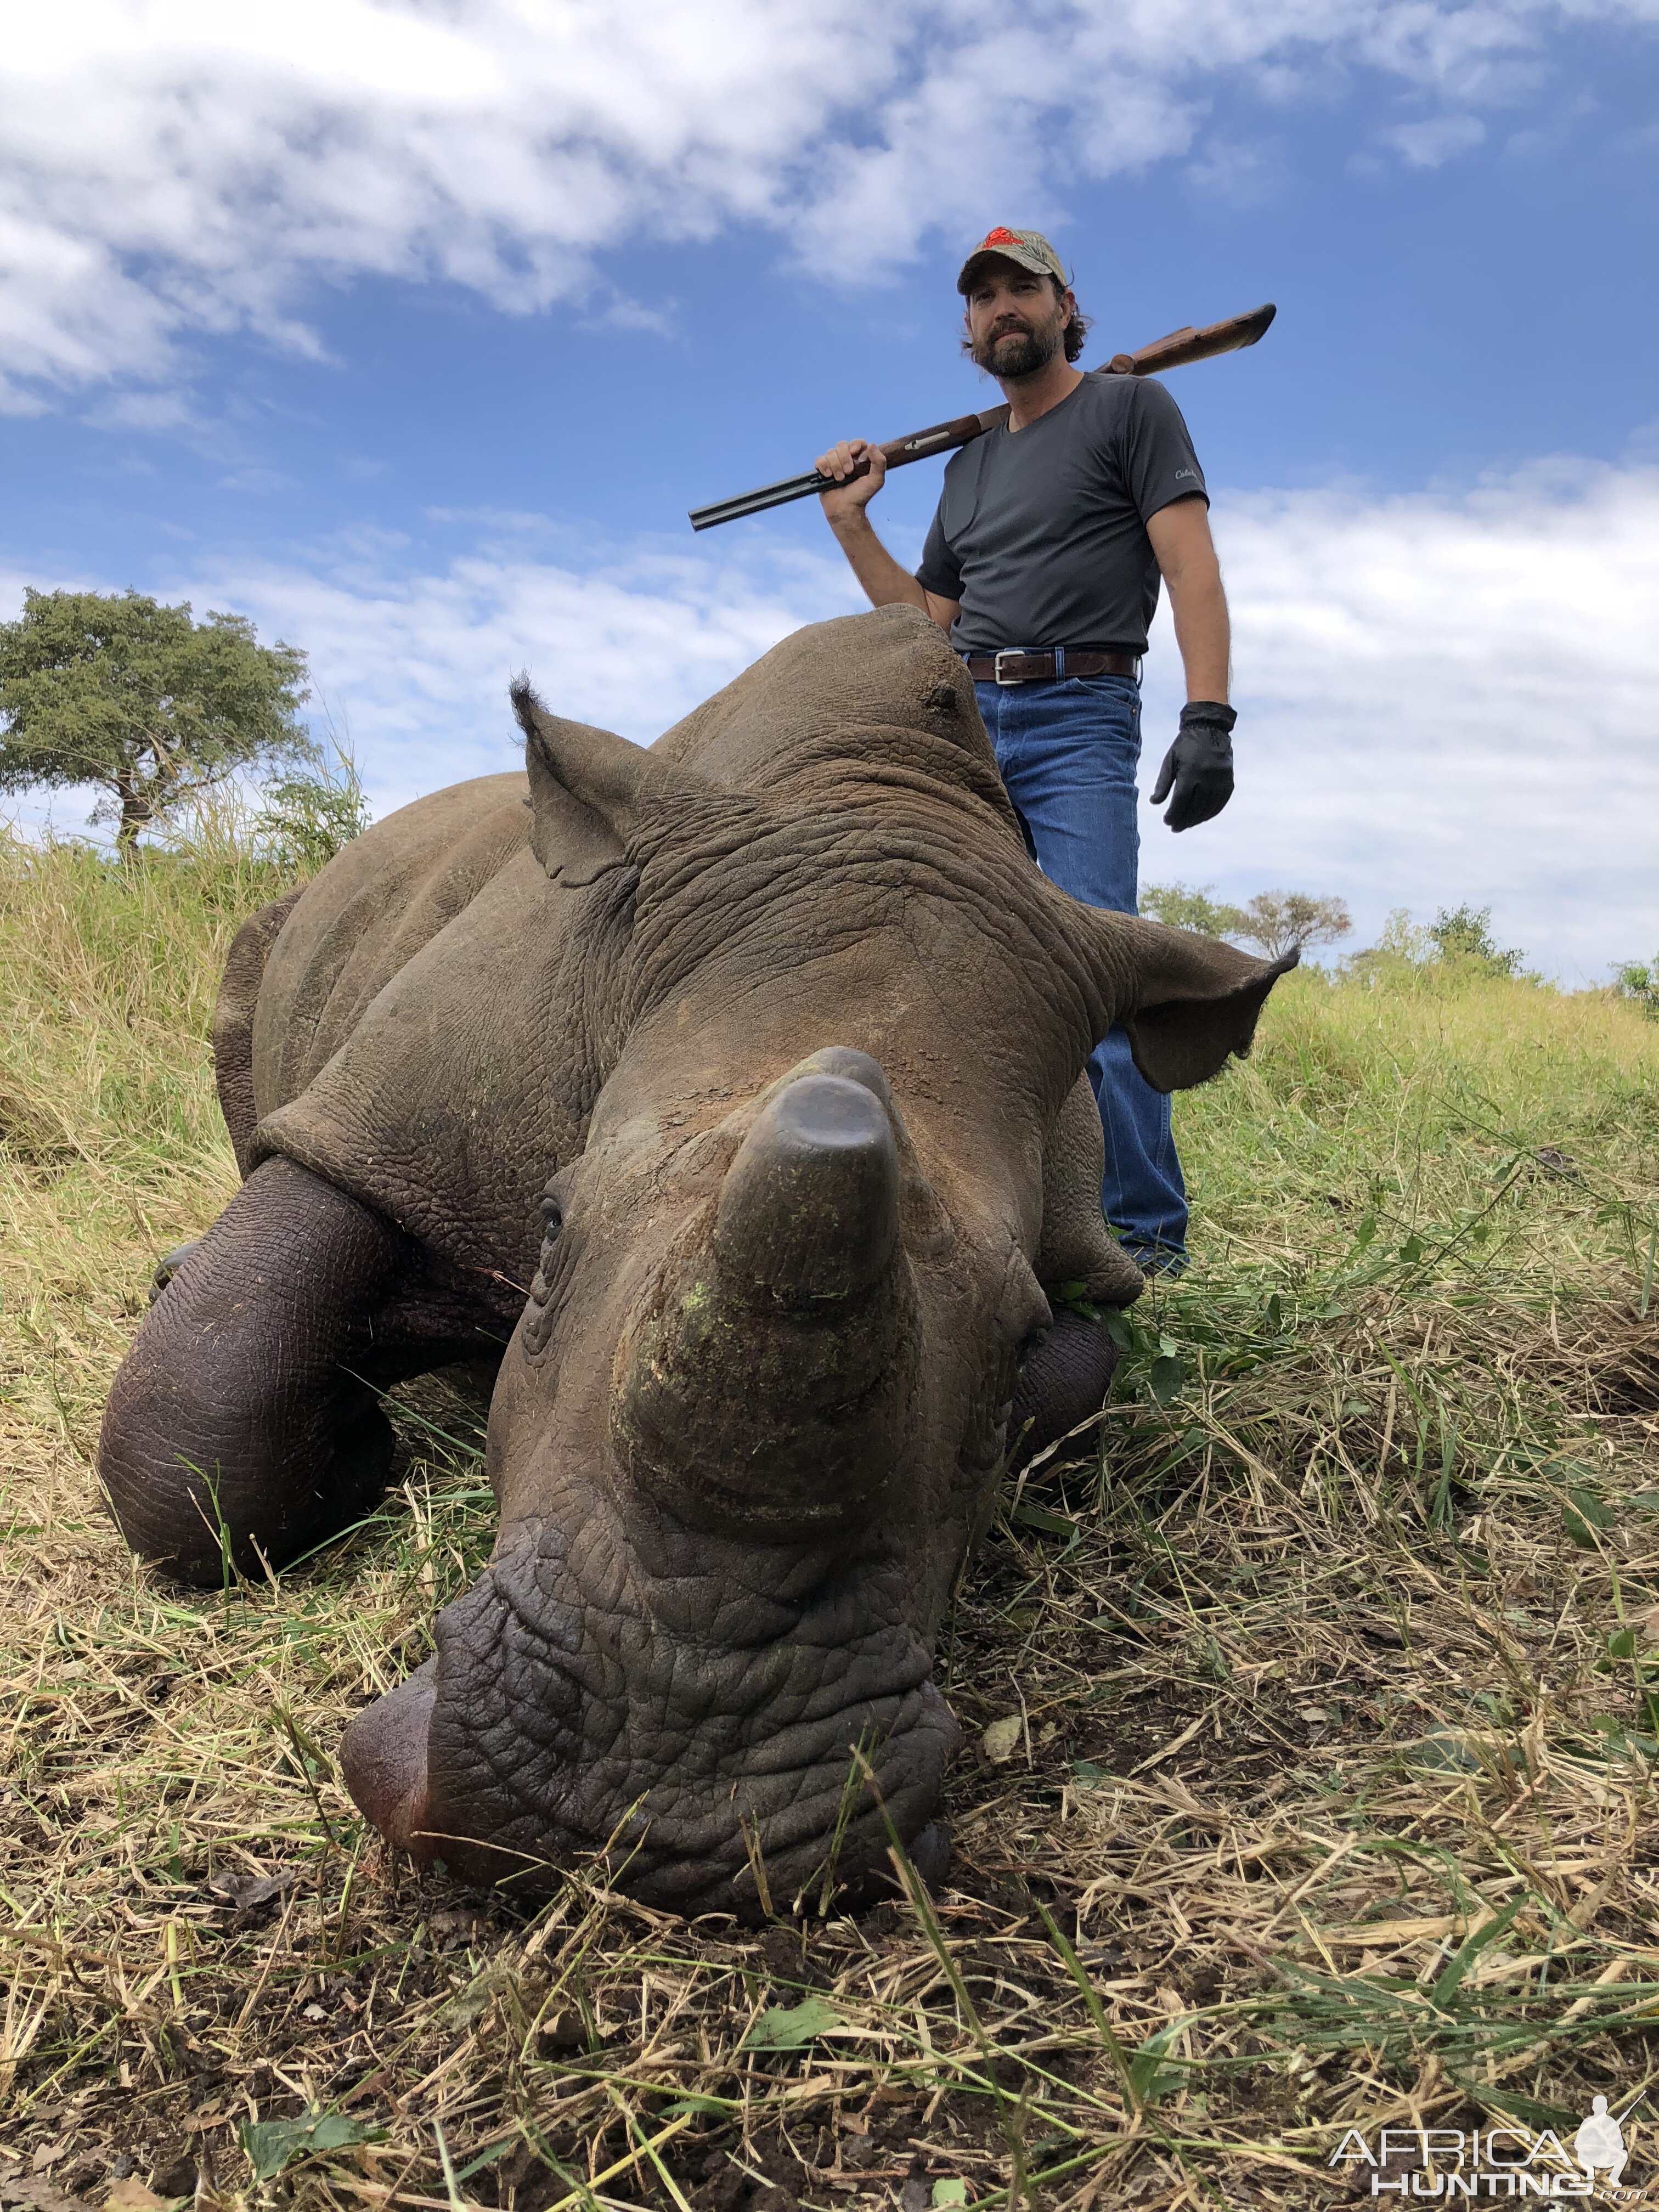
x: 234, y: 1434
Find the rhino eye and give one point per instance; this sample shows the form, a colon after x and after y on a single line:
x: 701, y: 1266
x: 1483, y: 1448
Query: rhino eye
x: 552, y: 1218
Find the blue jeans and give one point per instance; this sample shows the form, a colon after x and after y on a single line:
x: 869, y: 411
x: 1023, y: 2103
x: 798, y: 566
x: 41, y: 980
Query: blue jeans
x: 1068, y: 752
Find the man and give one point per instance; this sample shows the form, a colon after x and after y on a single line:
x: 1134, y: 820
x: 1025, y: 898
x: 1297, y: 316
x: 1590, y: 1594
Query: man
x: 1044, y: 563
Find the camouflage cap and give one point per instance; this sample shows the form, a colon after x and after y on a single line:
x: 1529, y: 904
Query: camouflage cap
x: 1030, y: 249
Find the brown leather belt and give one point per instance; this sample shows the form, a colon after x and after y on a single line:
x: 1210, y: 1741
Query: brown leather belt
x: 1015, y: 664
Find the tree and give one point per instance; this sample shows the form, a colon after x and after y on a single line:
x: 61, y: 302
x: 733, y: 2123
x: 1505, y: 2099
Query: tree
x: 1465, y: 935
x: 1276, y: 921
x: 117, y: 689
x: 1183, y: 908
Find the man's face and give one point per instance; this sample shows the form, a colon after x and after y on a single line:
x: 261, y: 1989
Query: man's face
x: 1016, y: 320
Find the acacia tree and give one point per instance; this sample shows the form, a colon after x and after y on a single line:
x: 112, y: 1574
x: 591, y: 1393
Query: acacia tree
x: 1274, y: 921
x: 117, y: 689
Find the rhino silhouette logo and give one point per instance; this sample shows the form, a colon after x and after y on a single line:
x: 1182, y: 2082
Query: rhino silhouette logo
x: 1600, y: 2141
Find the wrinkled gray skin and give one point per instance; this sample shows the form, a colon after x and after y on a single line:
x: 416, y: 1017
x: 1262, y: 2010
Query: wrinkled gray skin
x: 733, y: 1087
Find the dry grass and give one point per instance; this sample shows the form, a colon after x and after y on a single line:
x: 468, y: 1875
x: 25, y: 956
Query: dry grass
x: 1319, y: 1682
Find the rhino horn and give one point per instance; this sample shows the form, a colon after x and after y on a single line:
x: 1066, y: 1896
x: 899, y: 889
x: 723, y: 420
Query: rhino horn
x: 767, y: 1392
x: 591, y: 790
x: 809, y: 1210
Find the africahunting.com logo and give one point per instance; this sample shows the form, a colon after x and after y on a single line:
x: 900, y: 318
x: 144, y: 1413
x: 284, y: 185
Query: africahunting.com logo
x: 1498, y: 2161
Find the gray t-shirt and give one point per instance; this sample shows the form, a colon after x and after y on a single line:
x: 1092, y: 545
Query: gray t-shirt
x: 1041, y: 533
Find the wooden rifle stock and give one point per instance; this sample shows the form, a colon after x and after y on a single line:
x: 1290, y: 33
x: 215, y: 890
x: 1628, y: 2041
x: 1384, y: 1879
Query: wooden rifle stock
x: 1172, y: 352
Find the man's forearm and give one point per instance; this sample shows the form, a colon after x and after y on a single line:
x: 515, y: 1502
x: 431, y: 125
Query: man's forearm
x: 1202, y: 629
x: 885, y: 584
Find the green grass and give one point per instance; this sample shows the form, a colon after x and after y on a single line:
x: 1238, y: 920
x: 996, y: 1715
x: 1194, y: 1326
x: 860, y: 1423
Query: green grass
x: 1332, y: 1652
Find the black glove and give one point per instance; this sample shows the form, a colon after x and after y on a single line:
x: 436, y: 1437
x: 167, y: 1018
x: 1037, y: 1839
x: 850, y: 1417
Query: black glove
x: 1199, y: 766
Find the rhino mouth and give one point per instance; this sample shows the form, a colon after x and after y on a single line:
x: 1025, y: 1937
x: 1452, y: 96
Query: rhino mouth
x: 731, y: 1777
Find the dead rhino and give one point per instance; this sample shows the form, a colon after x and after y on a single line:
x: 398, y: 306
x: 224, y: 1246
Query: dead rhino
x: 730, y: 1092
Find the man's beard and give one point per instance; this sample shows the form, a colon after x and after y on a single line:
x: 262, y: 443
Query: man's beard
x: 1011, y: 354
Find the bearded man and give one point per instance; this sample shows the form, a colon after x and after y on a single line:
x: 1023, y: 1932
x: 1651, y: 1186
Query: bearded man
x: 1044, y: 563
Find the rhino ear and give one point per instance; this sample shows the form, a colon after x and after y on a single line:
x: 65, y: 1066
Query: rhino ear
x: 1192, y: 1000
x: 590, y: 790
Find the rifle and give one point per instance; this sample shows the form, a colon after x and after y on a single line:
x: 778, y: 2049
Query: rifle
x: 1172, y: 352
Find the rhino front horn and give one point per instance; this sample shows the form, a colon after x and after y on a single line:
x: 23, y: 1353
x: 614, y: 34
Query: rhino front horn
x: 762, y: 1389
x: 809, y: 1208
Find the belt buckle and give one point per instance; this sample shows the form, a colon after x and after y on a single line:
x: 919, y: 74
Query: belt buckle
x: 1008, y: 652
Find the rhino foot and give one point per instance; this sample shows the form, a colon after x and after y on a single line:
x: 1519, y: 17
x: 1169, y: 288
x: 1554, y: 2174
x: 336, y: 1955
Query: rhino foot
x: 1064, y: 1380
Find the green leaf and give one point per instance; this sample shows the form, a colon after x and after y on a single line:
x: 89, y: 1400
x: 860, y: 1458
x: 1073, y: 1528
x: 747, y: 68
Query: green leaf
x: 1413, y: 1249
x: 1366, y: 1230
x: 1468, y: 1951
x: 272, y: 2146
x: 1590, y: 1506
x: 1038, y: 1517
x: 1517, y: 2107
x: 486, y: 2158
x: 1167, y: 1378
x: 1444, y: 1751
x: 949, y: 2193
x: 1646, y: 1501
x: 1121, y: 1330
x: 1622, y: 1644
x: 1149, y: 2076
x: 789, y: 2028
x: 1086, y: 1774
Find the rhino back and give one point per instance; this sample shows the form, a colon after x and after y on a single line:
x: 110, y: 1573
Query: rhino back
x: 389, y: 892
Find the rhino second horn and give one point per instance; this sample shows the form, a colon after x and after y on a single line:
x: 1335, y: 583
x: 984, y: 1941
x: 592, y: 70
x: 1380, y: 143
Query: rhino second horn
x: 809, y: 1210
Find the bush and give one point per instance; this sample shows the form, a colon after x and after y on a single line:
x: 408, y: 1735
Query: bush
x: 1465, y: 935
x: 1183, y: 907
x: 1639, y: 980
x: 306, y: 819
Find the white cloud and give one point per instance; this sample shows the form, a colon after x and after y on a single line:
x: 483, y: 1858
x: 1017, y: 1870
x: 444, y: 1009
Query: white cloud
x: 1428, y: 145
x: 1442, y: 697
x: 170, y: 169
x: 415, y: 668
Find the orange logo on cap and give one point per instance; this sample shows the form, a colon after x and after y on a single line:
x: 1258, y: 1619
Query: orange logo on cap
x: 1000, y: 236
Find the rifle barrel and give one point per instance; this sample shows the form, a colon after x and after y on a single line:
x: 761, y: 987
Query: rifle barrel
x: 756, y: 502
x: 1172, y: 352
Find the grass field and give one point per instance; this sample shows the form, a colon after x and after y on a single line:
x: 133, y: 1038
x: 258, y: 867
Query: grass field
x: 1322, y: 1684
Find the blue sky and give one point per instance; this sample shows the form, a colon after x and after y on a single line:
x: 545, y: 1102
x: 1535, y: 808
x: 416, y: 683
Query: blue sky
x: 413, y: 332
